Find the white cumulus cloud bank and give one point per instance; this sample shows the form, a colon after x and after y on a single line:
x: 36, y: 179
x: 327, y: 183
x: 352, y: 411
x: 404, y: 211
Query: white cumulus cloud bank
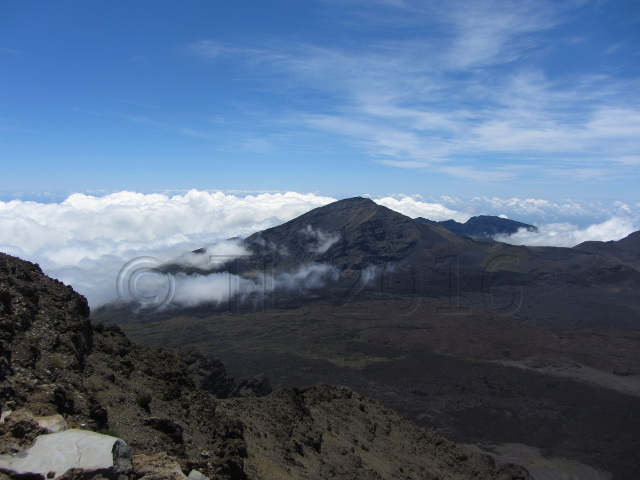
x: 413, y: 208
x: 568, y: 235
x: 86, y: 240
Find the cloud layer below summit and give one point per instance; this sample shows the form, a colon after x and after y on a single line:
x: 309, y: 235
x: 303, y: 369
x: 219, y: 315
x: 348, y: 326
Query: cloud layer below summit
x: 86, y: 240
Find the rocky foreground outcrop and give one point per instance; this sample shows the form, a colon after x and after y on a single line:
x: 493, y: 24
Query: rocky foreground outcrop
x: 172, y: 412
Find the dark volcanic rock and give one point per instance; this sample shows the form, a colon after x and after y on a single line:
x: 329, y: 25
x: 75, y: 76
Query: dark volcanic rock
x: 350, y: 235
x: 336, y: 433
x: 257, y: 386
x: 55, y: 361
x: 630, y: 242
x: 623, y: 260
x: 209, y: 374
x: 44, y: 324
x: 167, y: 426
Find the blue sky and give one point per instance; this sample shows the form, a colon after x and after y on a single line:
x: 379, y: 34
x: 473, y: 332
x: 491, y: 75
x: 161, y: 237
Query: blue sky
x: 463, y: 98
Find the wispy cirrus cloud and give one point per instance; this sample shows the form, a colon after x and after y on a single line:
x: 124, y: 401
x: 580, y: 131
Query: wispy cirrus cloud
x: 212, y: 51
x: 465, y: 91
x: 209, y: 49
x: 489, y: 33
x: 10, y: 51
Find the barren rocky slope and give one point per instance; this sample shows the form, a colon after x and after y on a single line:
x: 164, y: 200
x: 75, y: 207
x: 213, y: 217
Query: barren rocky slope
x: 167, y: 404
x: 437, y: 334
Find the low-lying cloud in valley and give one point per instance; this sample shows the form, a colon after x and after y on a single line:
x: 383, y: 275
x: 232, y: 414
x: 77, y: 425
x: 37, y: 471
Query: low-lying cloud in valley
x: 193, y: 290
x: 213, y: 256
x: 86, y: 240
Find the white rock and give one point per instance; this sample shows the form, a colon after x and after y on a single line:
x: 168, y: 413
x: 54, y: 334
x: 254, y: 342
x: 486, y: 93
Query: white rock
x: 5, y: 414
x: 196, y: 475
x: 58, y: 452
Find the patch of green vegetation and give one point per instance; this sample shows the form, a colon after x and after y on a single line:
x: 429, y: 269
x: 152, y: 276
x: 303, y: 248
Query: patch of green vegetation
x: 98, y: 327
x: 94, y: 383
x: 143, y: 400
x: 112, y: 432
x: 467, y: 358
x: 58, y: 362
x: 353, y: 360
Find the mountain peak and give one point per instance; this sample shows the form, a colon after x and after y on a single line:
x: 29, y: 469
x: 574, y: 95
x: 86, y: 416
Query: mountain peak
x: 355, y: 201
x: 358, y: 205
x: 336, y: 217
x: 482, y: 225
x: 349, y: 234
